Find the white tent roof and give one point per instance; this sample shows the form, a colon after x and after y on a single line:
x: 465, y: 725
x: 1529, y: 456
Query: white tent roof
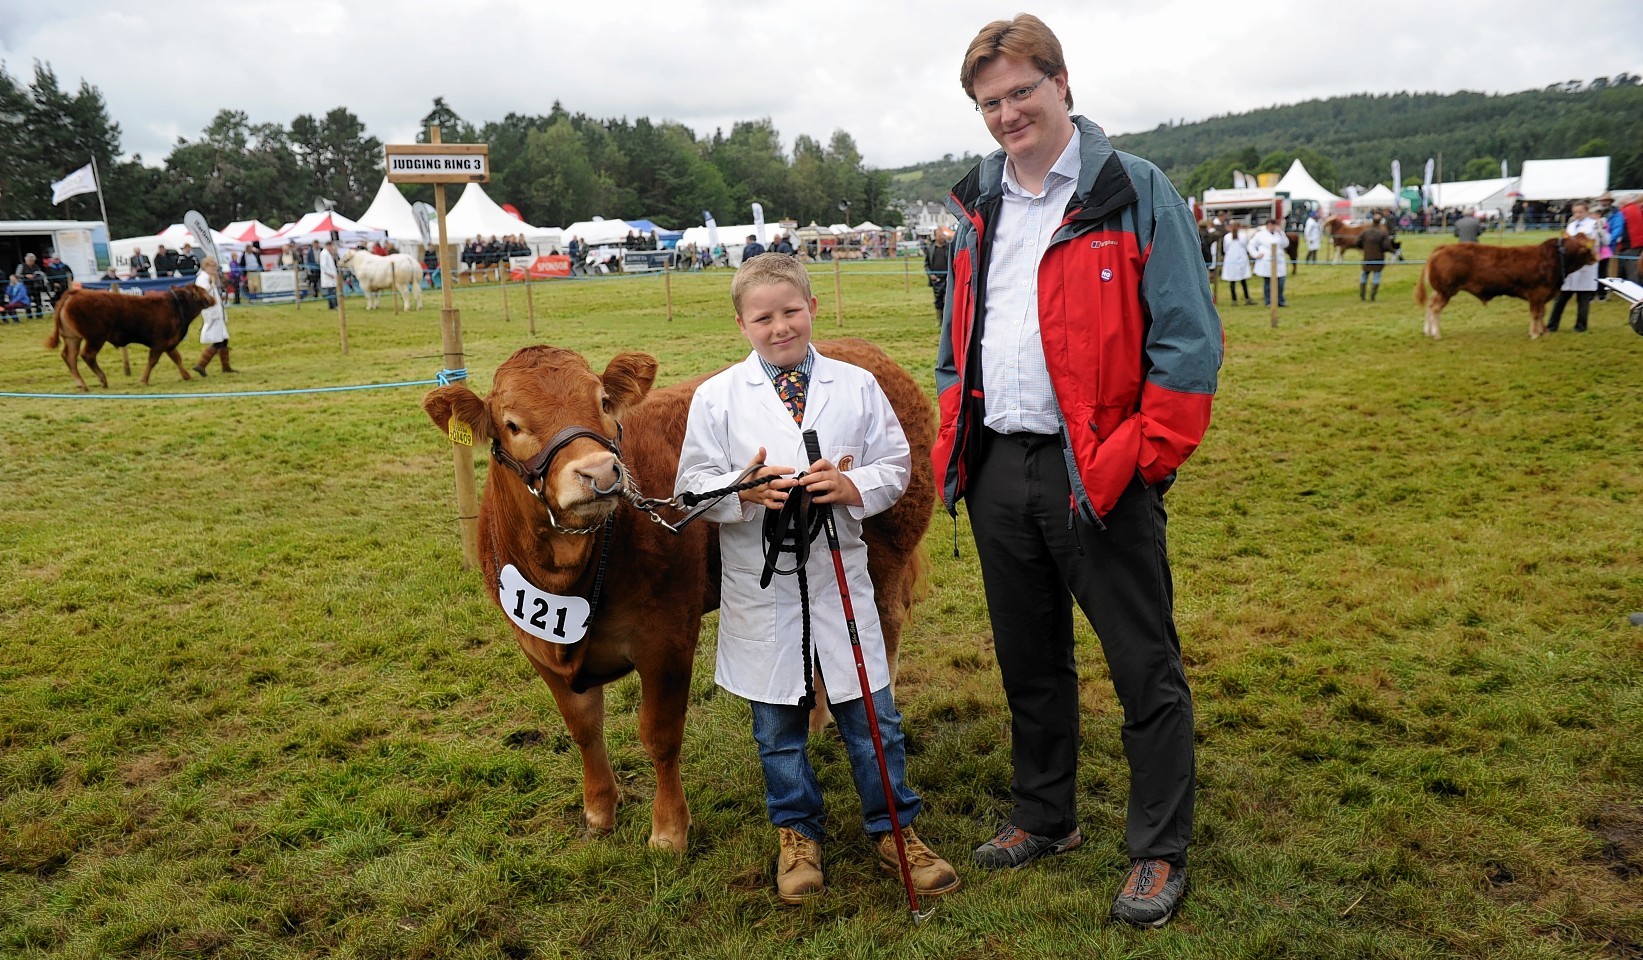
x: 1470, y: 194
x: 390, y: 211
x: 318, y: 226
x: 600, y: 232
x: 477, y: 215
x: 867, y: 226
x: 1378, y: 197
x: 1578, y: 178
x: 1300, y: 186
x: 245, y: 231
x: 734, y: 236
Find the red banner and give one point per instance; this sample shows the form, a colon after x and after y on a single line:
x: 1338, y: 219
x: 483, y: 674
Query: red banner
x: 544, y: 268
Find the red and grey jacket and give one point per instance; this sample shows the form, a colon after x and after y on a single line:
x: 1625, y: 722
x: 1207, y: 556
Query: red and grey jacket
x: 1131, y: 338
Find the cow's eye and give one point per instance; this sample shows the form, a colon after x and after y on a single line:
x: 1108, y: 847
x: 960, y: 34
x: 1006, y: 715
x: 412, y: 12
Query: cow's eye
x: 606, y: 405
x: 513, y: 427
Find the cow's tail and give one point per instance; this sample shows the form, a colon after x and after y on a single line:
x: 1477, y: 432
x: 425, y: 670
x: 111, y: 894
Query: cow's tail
x: 1420, y: 285
x: 57, y: 320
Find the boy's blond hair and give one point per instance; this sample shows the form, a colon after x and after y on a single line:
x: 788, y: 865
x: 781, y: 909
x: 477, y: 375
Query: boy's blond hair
x: 765, y: 269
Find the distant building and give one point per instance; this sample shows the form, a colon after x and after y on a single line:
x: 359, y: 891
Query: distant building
x: 923, y: 217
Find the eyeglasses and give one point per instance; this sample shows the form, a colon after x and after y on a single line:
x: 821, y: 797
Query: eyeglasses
x: 1019, y: 95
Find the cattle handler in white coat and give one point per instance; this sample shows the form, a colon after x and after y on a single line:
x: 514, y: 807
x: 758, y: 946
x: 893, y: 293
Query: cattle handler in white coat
x: 763, y: 404
x: 213, y: 319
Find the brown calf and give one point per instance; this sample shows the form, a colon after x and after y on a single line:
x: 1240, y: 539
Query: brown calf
x: 1530, y: 273
x: 656, y: 585
x: 87, y: 319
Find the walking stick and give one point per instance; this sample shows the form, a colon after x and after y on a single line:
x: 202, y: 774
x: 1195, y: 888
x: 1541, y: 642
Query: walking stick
x: 812, y: 449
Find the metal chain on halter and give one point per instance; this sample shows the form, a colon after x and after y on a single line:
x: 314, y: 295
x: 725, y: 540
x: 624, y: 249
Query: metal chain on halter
x: 687, y: 500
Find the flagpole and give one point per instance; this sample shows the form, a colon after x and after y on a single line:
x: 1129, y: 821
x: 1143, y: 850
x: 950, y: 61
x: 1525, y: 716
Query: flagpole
x: 95, y: 178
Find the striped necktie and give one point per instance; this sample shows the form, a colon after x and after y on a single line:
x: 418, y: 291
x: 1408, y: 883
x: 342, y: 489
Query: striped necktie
x: 790, y: 386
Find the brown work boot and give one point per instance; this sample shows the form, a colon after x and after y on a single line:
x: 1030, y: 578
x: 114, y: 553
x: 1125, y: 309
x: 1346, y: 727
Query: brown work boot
x: 222, y: 356
x: 798, y: 867
x: 932, y: 876
x: 1152, y: 890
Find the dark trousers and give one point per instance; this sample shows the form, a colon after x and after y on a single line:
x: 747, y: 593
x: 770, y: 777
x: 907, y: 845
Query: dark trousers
x: 1034, y: 568
x: 1583, y: 307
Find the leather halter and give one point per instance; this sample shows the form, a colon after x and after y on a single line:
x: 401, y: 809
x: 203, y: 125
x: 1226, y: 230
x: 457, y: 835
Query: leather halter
x: 535, y: 470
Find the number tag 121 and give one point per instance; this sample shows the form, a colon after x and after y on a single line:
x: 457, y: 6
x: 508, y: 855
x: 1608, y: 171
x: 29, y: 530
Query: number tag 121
x: 546, y: 616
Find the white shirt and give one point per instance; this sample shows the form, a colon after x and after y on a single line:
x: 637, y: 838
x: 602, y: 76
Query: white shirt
x: 327, y: 268
x: 1261, y: 250
x: 1314, y: 234
x: 1584, y: 279
x: 1013, y: 374
x: 732, y: 415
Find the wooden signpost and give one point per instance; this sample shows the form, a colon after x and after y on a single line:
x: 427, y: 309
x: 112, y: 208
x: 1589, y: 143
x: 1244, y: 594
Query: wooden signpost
x: 439, y: 164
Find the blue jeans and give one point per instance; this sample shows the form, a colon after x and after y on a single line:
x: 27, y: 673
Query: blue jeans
x: 1266, y: 291
x: 792, y: 794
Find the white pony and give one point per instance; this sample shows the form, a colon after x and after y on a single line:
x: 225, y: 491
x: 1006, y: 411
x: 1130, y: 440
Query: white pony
x: 399, y: 272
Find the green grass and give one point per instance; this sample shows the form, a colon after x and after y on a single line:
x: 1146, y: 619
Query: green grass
x: 251, y: 705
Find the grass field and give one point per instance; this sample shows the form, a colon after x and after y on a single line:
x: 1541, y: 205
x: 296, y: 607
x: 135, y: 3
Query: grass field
x: 251, y: 704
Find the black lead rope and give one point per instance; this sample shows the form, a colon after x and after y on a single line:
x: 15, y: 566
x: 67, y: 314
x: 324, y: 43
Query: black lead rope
x: 791, y: 530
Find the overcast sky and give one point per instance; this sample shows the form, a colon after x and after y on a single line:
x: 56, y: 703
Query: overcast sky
x: 880, y: 70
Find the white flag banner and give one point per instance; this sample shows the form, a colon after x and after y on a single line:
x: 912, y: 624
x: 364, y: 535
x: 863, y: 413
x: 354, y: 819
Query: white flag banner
x: 1397, y: 177
x: 1426, y: 189
x: 1503, y: 173
x: 712, y: 229
x: 76, y: 183
x: 758, y: 221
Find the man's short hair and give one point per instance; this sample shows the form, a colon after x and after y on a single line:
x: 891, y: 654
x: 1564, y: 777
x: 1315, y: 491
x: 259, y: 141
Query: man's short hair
x: 1025, y: 37
x: 765, y: 269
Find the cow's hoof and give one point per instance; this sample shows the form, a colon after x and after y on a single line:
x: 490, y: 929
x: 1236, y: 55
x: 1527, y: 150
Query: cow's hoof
x: 591, y: 829
x: 673, y: 845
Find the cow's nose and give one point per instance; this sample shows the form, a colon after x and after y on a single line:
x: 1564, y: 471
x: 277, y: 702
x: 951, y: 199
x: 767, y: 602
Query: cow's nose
x: 602, y: 473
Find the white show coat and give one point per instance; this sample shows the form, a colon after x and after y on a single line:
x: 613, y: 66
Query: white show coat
x: 732, y: 415
x: 327, y: 268
x: 1234, y: 258
x: 213, y: 320
x: 1261, y: 247
x: 1584, y: 279
x: 1313, y: 233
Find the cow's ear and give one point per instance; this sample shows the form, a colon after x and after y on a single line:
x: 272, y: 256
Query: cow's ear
x: 458, y: 401
x: 628, y: 378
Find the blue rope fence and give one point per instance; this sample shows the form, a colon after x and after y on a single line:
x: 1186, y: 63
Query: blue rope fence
x: 443, y: 378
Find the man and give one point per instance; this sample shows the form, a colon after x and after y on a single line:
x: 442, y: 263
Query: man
x: 1468, y: 228
x: 752, y: 249
x: 1377, y: 248
x: 34, y: 278
x: 139, y: 264
x: 1630, y: 243
x: 251, y: 269
x: 1073, y: 385
x: 165, y: 262
x: 1267, y: 248
x: 58, y: 276
x: 1313, y: 232
x: 784, y: 245
x: 938, y: 261
x: 187, y: 264
x: 326, y: 273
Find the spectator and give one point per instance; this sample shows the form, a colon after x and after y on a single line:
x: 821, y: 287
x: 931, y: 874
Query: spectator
x: 1313, y: 232
x: 58, y: 277
x: 1468, y: 228
x: 784, y: 245
x: 1235, y: 262
x: 165, y: 262
x: 187, y: 264
x: 1377, y: 246
x: 1614, y: 223
x: 430, y: 266
x: 752, y: 248
x: 250, y: 261
x: 236, y: 277
x: 17, y: 298
x: 1630, y: 239
x: 938, y: 261
x: 140, y: 265
x: 311, y: 259
x: 34, y: 279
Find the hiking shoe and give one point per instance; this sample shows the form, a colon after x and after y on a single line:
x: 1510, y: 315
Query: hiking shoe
x: 1015, y: 848
x: 1151, y: 893
x: 198, y: 370
x: 798, y: 867
x: 932, y: 875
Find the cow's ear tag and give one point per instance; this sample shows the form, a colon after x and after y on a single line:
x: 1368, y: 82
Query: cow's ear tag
x: 460, y: 432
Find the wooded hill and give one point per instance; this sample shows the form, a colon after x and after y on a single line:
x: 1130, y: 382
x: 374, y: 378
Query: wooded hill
x: 1354, y: 139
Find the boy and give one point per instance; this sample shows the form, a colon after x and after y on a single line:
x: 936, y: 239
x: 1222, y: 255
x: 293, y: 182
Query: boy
x: 762, y: 403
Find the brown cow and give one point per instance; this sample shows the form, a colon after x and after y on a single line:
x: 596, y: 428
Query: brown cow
x: 656, y: 585
x: 1529, y: 273
x: 87, y: 319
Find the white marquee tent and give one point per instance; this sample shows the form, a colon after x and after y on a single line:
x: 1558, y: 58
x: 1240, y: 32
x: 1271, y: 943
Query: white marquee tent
x: 1298, y: 183
x: 172, y: 237
x: 600, y: 232
x: 477, y: 215
x: 1494, y: 194
x: 390, y: 211
x: 318, y: 226
x: 1578, y: 178
x: 240, y: 233
x: 1378, y: 197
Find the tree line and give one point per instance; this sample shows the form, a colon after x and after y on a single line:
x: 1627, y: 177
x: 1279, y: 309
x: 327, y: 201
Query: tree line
x: 1354, y: 139
x: 556, y: 168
